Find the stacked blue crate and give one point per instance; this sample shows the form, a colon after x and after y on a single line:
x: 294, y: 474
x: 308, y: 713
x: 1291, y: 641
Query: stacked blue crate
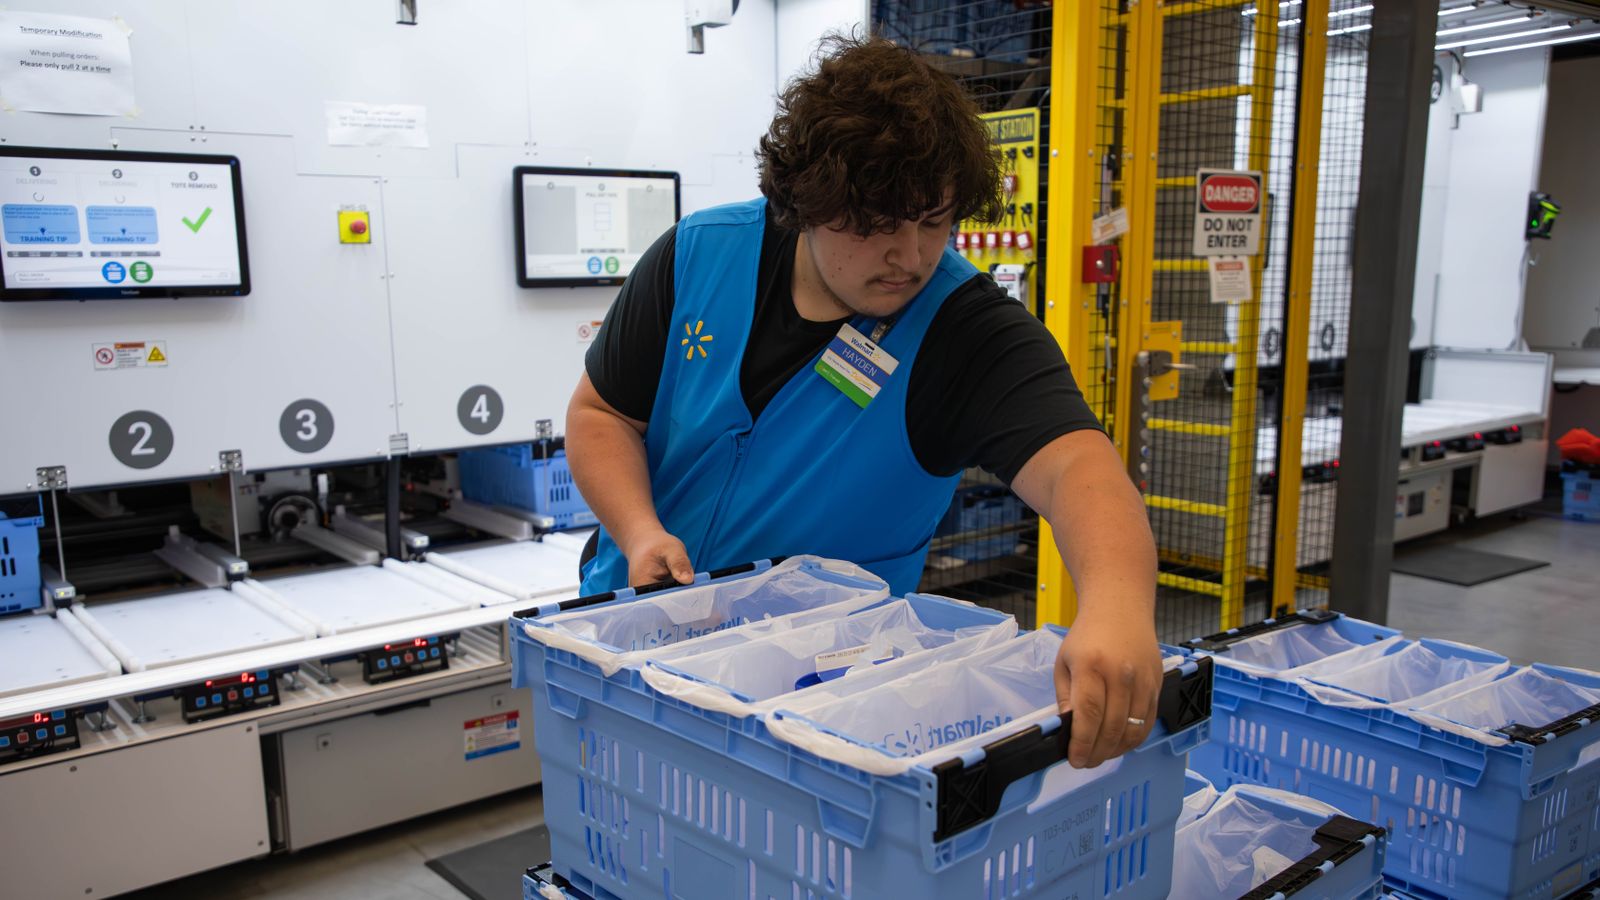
x: 19, y: 557
x: 533, y: 477
x: 650, y: 795
x: 1474, y: 810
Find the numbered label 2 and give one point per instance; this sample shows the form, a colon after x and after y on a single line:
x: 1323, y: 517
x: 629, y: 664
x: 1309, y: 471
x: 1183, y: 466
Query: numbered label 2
x: 480, y: 409
x: 140, y: 439
x: 306, y: 425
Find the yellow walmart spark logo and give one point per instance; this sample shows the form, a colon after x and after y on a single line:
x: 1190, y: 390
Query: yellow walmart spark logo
x: 693, y: 340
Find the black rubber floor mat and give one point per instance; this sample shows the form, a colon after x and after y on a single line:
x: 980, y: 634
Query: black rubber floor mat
x: 493, y: 869
x: 1458, y: 565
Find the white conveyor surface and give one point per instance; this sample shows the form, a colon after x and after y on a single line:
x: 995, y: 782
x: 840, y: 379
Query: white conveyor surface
x: 343, y: 600
x: 39, y: 652
x: 572, y: 541
x: 1430, y: 420
x: 169, y: 629
x: 523, y: 569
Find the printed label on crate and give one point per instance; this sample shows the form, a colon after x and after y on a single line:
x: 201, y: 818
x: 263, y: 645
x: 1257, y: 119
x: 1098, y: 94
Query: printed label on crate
x: 130, y: 355
x: 492, y: 734
x: 1069, y: 840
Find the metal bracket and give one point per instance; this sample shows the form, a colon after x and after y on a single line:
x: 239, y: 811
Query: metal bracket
x: 51, y: 478
x: 371, y: 534
x: 544, y: 429
x: 230, y: 461
x: 399, y: 444
x: 208, y: 564
x: 343, y: 547
x: 510, y: 524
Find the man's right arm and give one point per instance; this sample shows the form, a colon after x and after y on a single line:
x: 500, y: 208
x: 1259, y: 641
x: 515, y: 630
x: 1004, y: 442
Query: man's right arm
x: 608, y: 415
x: 606, y: 452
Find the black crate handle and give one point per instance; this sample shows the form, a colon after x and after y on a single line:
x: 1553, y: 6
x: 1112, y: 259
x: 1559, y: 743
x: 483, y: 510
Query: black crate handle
x: 653, y: 587
x: 1221, y: 641
x: 968, y: 795
x: 1340, y: 838
x: 1561, y: 726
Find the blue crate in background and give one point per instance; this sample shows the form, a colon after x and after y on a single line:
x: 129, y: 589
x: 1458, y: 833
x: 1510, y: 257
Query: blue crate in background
x: 19, y: 557
x: 648, y: 796
x: 1580, y: 493
x: 974, y: 512
x: 1467, y: 820
x: 534, y: 477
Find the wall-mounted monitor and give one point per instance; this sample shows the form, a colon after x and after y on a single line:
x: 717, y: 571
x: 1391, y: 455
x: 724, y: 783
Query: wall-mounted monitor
x: 587, y: 227
x: 102, y: 224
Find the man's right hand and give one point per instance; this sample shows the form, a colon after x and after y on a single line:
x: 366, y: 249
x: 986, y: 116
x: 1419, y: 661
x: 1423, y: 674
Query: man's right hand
x: 658, y: 556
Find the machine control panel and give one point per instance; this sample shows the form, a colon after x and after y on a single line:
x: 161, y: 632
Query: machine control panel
x: 405, y: 659
x: 229, y: 694
x: 38, y: 733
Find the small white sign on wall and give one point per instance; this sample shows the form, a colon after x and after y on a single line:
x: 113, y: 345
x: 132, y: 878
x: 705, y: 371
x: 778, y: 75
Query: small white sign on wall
x: 66, y: 64
x: 376, y: 124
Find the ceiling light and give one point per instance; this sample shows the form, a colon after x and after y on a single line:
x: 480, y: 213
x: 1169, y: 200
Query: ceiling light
x: 1482, y: 25
x: 1571, y: 38
x: 1503, y: 37
x: 1458, y: 10
x: 1351, y: 30
x: 1354, y: 10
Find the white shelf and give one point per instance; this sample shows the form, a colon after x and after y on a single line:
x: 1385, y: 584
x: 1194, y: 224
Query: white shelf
x: 38, y: 652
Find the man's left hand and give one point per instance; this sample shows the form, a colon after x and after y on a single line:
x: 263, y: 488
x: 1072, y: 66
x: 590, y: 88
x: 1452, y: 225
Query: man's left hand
x: 1108, y: 674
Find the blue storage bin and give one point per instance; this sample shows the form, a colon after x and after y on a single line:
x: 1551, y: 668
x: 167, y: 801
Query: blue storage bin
x: 1466, y: 819
x: 1580, y: 495
x: 19, y: 561
x: 1343, y: 860
x: 651, y: 796
x: 981, y: 508
x: 534, y: 477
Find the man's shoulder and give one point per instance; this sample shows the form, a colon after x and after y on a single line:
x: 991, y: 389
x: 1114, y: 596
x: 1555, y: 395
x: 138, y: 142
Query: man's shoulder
x: 979, y: 301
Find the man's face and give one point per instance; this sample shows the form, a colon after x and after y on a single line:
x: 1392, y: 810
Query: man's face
x: 877, y: 275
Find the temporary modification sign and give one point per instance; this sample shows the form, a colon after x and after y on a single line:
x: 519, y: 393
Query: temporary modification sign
x: 1227, y: 214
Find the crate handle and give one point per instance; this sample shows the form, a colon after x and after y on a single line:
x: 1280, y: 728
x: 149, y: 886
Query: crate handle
x: 1222, y: 640
x: 1565, y: 725
x: 653, y: 587
x: 1340, y: 838
x: 970, y: 794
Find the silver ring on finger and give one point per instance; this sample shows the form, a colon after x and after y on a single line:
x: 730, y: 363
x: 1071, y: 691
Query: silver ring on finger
x: 1135, y: 722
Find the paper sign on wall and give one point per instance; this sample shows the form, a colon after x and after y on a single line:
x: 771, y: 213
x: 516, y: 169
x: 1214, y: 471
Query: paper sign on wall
x: 376, y: 124
x: 1230, y: 278
x: 1227, y: 215
x: 66, y: 64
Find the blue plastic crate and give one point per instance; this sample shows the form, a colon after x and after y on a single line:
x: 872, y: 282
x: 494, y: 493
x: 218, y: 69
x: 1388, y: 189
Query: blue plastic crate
x: 1346, y: 864
x: 19, y: 562
x: 1466, y: 820
x: 1580, y: 496
x: 977, y: 509
x: 534, y: 477
x: 649, y: 796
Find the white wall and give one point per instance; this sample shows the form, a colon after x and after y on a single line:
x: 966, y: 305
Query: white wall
x: 1564, y: 288
x: 801, y: 23
x: 1494, y: 163
x: 386, y: 335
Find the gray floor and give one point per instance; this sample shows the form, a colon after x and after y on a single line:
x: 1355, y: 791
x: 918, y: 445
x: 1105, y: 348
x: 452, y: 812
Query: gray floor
x: 1550, y: 615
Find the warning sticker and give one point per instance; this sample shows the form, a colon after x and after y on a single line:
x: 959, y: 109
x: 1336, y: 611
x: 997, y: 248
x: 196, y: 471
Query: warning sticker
x: 130, y: 355
x: 1112, y: 225
x: 492, y: 734
x: 1227, y: 215
x: 1230, y: 279
x: 588, y: 330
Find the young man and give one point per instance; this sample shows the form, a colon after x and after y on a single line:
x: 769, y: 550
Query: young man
x: 810, y: 372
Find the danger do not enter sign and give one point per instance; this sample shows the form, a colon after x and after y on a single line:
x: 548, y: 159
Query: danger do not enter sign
x: 1227, y: 219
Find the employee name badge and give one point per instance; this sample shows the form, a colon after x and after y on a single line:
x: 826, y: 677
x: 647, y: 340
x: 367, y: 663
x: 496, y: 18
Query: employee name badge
x: 856, y: 366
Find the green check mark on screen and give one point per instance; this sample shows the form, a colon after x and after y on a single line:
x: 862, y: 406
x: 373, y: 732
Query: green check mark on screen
x: 195, y: 225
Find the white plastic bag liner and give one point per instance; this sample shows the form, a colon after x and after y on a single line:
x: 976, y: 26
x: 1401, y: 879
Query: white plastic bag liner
x: 1525, y: 697
x: 1396, y: 678
x: 1240, y: 844
x: 771, y: 666
x: 1196, y: 803
x: 1288, y: 648
x: 755, y: 631
x: 616, y: 635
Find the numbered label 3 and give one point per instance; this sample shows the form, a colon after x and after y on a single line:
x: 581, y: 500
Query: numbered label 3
x: 141, y: 439
x: 480, y: 409
x: 306, y: 425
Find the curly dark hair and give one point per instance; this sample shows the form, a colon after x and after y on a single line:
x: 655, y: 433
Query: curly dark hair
x: 872, y: 137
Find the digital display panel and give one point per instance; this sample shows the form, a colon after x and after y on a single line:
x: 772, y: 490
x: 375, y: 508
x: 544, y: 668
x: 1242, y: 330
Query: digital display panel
x: 578, y: 227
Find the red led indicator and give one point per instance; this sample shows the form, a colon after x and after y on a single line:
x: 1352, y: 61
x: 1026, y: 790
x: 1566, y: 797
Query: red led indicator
x: 1516, y: 428
x: 40, y: 717
x: 1477, y: 435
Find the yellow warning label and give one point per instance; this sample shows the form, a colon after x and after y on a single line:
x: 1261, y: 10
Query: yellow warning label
x: 156, y: 355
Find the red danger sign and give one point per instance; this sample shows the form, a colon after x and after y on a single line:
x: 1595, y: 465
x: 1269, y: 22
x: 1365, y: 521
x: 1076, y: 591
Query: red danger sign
x: 1230, y: 192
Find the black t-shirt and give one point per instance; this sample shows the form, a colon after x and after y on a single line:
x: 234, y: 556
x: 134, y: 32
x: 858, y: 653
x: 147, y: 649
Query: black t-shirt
x: 989, y: 386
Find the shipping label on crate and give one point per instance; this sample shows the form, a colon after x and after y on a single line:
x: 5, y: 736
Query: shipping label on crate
x: 1227, y: 215
x: 493, y: 734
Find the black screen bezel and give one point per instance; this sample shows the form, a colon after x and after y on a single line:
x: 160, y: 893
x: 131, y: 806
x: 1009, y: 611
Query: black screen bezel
x: 521, y: 237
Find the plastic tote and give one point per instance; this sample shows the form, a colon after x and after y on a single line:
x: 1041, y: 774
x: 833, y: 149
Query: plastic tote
x: 1262, y: 843
x: 650, y: 795
x: 1486, y: 775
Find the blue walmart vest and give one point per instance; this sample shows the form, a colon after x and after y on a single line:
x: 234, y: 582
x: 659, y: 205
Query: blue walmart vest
x: 816, y: 474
